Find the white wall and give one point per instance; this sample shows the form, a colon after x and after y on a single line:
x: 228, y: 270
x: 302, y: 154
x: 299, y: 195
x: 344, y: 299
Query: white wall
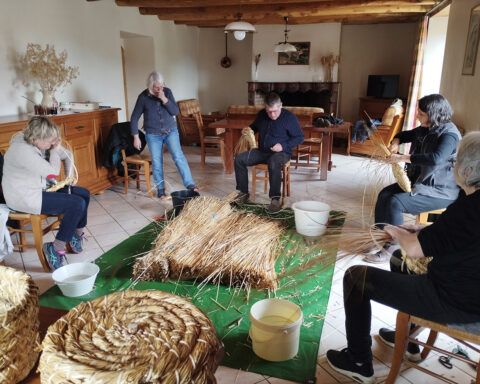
x: 219, y: 87
x: 90, y: 33
x: 380, y: 49
x: 324, y: 39
x: 434, y: 51
x: 462, y: 91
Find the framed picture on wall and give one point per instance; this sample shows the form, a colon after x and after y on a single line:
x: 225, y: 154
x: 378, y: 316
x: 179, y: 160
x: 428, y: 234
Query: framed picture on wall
x: 472, y: 42
x: 301, y: 57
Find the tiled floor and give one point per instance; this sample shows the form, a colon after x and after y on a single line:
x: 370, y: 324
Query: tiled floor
x: 114, y: 216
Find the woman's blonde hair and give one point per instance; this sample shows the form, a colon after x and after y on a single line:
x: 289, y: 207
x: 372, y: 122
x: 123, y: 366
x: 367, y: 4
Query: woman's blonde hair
x: 40, y: 128
x: 468, y: 157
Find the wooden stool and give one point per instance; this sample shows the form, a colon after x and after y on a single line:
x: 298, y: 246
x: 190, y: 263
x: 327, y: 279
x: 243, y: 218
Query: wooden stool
x: 310, y: 148
x: 429, y: 217
x: 139, y: 161
x: 264, y: 168
x: 403, y: 336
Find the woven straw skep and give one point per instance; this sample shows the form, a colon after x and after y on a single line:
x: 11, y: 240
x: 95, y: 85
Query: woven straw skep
x: 131, y: 337
x: 245, y: 142
x: 210, y: 241
x: 19, y: 337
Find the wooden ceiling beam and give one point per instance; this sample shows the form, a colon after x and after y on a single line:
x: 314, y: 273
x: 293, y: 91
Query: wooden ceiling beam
x: 237, y: 3
x: 254, y: 13
x: 345, y: 19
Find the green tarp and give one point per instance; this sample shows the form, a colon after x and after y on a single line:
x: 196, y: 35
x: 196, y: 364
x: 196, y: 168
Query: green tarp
x: 228, y: 308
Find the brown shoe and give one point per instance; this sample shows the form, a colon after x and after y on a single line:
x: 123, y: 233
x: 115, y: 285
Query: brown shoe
x: 275, y: 206
x: 241, y: 198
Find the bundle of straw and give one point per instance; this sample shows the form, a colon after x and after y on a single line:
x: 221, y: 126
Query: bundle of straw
x: 131, y: 337
x: 245, y: 142
x: 417, y: 266
x: 19, y: 324
x: 209, y: 240
x: 61, y: 184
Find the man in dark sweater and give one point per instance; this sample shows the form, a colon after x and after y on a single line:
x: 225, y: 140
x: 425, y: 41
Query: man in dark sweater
x: 447, y: 293
x: 278, y: 133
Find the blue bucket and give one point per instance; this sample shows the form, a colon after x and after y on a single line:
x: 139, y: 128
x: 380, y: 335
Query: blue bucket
x: 179, y: 198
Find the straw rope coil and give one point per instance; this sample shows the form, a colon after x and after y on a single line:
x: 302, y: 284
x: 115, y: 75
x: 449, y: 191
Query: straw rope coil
x: 245, y: 142
x: 418, y: 266
x: 131, y: 337
x: 61, y: 184
x: 397, y: 170
x: 209, y: 240
x: 19, y: 337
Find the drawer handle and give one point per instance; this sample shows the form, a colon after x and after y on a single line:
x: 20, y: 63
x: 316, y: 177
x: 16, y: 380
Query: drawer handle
x: 79, y: 127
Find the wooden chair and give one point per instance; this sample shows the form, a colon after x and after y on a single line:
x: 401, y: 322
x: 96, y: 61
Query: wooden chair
x: 429, y: 217
x: 308, y: 154
x: 135, y: 174
x: 403, y: 335
x: 258, y: 176
x: 36, y: 221
x: 191, y: 109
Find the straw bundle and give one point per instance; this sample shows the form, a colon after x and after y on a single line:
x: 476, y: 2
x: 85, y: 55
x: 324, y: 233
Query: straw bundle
x: 131, y: 337
x: 398, y: 172
x: 19, y: 324
x: 418, y: 266
x: 61, y: 184
x: 245, y: 142
x: 211, y: 241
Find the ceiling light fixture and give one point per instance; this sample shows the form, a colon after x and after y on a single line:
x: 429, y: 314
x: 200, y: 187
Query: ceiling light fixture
x: 239, y: 28
x: 285, y: 46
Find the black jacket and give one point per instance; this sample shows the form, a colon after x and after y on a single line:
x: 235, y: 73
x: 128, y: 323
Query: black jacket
x: 120, y: 138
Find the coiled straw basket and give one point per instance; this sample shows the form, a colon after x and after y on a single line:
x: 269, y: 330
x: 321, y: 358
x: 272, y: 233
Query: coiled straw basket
x: 19, y: 338
x: 131, y: 337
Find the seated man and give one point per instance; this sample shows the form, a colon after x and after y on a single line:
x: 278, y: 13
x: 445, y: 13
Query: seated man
x: 360, y: 133
x: 278, y: 133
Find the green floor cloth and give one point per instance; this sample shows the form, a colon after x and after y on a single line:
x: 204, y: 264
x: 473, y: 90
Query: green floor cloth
x: 228, y: 308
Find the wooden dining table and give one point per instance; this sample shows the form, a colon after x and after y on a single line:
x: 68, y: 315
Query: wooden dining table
x: 233, y: 127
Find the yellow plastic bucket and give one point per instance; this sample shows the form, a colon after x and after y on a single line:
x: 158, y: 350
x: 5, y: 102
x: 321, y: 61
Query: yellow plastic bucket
x: 275, y: 330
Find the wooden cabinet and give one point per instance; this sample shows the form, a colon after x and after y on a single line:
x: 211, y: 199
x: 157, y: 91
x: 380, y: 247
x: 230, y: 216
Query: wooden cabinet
x: 84, y: 134
x: 375, y: 109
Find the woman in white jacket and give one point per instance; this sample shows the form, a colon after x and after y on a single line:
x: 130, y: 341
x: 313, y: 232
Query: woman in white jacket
x: 35, y: 156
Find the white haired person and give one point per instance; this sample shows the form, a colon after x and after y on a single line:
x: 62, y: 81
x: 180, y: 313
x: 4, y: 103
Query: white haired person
x: 35, y: 156
x: 447, y: 293
x: 159, y: 108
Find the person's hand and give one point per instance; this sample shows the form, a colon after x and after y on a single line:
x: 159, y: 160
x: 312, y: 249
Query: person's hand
x: 407, y: 240
x: 394, y: 146
x: 277, y: 148
x: 56, y: 144
x: 397, y: 158
x: 136, y: 142
x: 413, y: 228
x: 161, y: 95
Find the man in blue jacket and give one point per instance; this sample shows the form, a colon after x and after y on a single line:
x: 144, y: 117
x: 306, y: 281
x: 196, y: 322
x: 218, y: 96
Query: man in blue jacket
x: 278, y: 133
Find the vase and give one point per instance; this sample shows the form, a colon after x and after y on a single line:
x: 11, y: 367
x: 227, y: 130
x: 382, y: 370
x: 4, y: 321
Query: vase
x: 48, y: 97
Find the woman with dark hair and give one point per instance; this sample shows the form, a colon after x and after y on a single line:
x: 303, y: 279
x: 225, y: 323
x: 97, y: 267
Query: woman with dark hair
x: 447, y: 293
x: 429, y: 168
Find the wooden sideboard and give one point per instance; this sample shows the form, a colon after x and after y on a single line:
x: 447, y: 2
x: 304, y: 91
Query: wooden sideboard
x: 85, y: 134
x: 301, y: 94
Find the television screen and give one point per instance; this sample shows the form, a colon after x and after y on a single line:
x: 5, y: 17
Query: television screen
x: 383, y: 86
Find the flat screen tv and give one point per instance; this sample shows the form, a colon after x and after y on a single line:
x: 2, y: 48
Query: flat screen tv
x: 383, y: 86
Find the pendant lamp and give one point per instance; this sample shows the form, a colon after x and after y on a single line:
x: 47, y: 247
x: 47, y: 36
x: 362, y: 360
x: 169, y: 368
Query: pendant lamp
x: 285, y: 46
x: 239, y: 28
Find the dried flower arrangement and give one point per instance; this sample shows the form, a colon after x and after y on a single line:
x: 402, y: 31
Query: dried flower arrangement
x: 329, y: 62
x: 48, y: 68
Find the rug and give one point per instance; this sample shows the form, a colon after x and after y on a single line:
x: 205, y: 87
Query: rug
x: 229, y: 308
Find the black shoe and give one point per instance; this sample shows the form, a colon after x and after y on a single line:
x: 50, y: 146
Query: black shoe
x: 342, y: 362
x: 241, y: 198
x: 274, y: 206
x: 388, y: 337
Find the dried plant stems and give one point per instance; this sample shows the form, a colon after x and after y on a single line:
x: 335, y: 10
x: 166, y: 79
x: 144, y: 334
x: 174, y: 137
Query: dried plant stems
x: 418, y: 266
x: 19, y: 337
x: 131, y: 337
x: 210, y: 241
x: 245, y: 142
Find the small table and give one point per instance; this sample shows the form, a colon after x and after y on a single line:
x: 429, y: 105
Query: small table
x: 233, y: 129
x: 327, y: 144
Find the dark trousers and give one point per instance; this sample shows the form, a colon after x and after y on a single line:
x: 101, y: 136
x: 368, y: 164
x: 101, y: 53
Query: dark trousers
x: 74, y: 208
x: 392, y: 202
x: 275, y: 162
x: 413, y: 294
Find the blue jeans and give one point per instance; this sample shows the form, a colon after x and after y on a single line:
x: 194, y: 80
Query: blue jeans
x: 172, y: 141
x: 392, y: 202
x: 74, y: 208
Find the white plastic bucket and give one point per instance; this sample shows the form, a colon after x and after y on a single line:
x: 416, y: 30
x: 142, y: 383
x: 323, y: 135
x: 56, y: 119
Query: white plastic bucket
x: 76, y: 279
x: 311, y: 217
x: 275, y: 330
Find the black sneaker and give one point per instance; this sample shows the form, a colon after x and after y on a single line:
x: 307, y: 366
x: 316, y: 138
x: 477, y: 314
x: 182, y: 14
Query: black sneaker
x: 387, y: 336
x: 342, y: 362
x: 241, y: 198
x: 275, y: 206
